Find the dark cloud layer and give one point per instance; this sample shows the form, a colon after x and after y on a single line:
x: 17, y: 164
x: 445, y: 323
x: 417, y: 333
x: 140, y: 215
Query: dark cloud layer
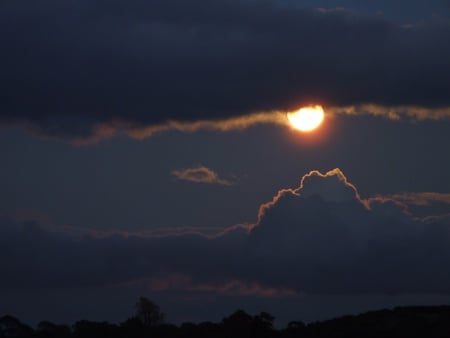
x: 320, y: 238
x: 67, y: 65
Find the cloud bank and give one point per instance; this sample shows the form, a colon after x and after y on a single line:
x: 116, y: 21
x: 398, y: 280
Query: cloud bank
x: 319, y: 238
x: 87, y: 70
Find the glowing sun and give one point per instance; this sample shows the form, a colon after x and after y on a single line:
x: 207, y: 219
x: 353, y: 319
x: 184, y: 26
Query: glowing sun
x: 306, y: 118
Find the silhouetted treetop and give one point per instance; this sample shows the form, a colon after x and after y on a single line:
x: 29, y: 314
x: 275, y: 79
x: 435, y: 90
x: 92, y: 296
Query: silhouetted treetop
x: 13, y: 327
x: 148, y: 312
x: 401, y: 322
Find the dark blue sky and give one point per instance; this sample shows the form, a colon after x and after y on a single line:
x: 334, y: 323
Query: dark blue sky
x: 140, y: 140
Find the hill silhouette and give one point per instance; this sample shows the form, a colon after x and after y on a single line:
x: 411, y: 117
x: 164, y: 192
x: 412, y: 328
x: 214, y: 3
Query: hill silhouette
x: 148, y: 321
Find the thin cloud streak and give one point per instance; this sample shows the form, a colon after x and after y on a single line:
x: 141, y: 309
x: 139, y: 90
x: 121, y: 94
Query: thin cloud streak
x: 207, y: 232
x: 107, y: 130
x: 393, y: 112
x: 111, y: 129
x: 233, y: 287
x: 421, y: 198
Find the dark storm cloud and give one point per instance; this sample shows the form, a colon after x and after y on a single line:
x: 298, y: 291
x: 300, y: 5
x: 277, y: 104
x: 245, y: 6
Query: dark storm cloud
x: 322, y: 237
x: 69, y: 65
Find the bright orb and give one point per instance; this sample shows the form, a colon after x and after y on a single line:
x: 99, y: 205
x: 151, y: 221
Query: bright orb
x: 307, y: 118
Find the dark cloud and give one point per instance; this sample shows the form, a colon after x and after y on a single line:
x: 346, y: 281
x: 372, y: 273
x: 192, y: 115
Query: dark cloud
x: 328, y: 239
x: 35, y: 258
x: 67, y: 66
x: 320, y: 238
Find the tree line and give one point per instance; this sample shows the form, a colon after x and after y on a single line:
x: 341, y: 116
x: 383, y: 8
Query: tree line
x: 149, y: 321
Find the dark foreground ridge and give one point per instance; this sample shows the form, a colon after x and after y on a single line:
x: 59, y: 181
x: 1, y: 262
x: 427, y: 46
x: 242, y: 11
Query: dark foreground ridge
x: 412, y: 321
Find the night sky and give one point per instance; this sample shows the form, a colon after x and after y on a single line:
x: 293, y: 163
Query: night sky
x: 145, y: 151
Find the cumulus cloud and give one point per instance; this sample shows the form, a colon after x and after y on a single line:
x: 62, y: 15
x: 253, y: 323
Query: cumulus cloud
x: 331, y: 186
x: 200, y: 174
x: 141, y: 67
x: 343, y: 243
x: 321, y: 237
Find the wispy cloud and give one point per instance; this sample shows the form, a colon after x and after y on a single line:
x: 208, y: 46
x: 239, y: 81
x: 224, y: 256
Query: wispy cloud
x: 393, y: 112
x: 106, y: 130
x: 200, y: 174
x: 138, y: 131
x: 421, y: 198
x: 234, y: 287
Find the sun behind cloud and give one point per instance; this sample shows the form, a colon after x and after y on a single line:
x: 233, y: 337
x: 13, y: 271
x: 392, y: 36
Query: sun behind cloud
x: 306, y: 118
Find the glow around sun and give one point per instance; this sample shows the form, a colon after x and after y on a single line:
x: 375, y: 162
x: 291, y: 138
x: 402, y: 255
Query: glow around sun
x: 306, y: 118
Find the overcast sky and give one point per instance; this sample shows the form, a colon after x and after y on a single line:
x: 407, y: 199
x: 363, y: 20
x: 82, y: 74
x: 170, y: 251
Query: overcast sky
x: 145, y: 150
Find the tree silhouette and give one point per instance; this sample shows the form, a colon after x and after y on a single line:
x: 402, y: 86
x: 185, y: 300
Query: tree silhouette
x: 265, y: 320
x: 90, y: 329
x: 241, y: 324
x: 12, y: 327
x: 148, y: 312
x: 402, y: 322
x: 51, y: 330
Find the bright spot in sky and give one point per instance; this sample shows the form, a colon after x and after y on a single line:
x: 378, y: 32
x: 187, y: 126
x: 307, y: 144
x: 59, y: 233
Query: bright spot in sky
x: 307, y: 118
